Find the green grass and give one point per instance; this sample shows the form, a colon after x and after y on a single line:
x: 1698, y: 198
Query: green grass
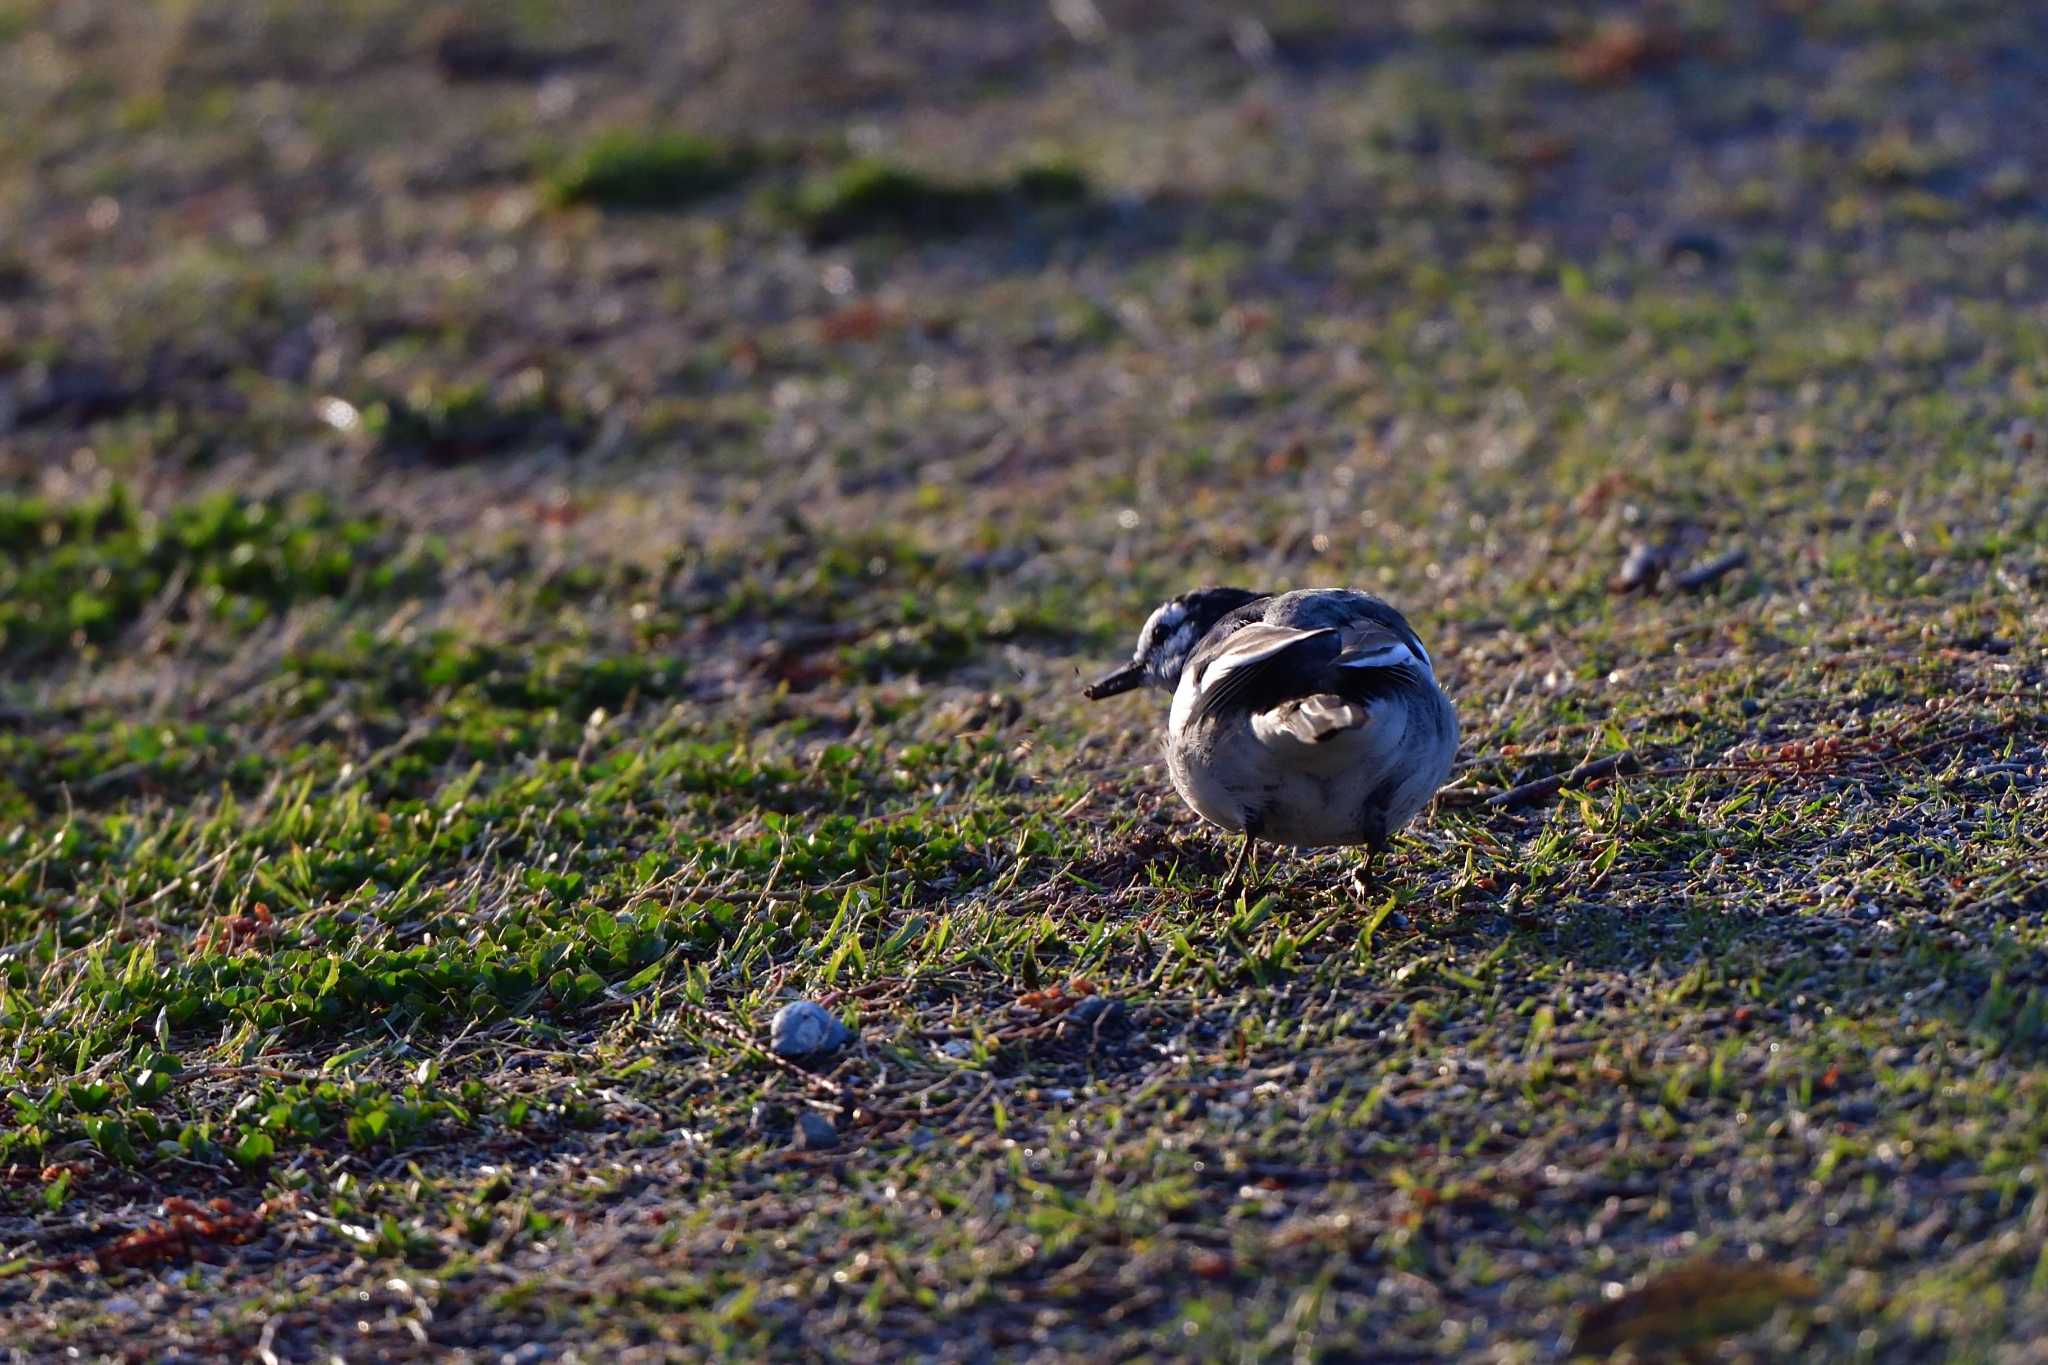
x: 464, y: 667
x: 872, y: 196
x: 628, y: 170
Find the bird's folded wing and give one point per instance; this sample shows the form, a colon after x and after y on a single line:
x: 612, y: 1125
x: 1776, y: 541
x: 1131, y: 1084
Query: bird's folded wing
x: 1375, y: 664
x: 1369, y: 644
x: 1259, y: 665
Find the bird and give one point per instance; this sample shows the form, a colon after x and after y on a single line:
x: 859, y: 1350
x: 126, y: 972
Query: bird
x: 1310, y: 718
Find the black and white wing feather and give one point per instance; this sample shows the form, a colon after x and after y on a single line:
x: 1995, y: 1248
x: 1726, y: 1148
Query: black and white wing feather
x: 1303, y: 680
x: 1253, y: 668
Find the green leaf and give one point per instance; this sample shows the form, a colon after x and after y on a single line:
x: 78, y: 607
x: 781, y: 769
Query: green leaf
x: 255, y: 1147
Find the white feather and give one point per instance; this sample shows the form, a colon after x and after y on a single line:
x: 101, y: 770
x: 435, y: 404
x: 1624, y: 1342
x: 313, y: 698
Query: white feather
x: 1386, y: 656
x: 1309, y: 720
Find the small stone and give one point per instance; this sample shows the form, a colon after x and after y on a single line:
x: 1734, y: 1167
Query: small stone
x: 1639, y: 570
x: 1701, y: 248
x: 768, y: 1119
x: 804, y: 1029
x: 527, y: 1353
x: 814, y: 1132
x: 1093, y: 1015
x: 922, y: 1139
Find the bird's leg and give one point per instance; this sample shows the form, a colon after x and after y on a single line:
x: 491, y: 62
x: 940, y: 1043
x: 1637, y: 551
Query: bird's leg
x: 1365, y: 880
x: 1234, y: 884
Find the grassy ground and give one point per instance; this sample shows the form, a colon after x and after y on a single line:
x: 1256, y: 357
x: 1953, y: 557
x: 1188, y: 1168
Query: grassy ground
x: 525, y: 548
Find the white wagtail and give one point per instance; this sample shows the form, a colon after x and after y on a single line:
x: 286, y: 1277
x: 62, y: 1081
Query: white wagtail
x: 1309, y: 718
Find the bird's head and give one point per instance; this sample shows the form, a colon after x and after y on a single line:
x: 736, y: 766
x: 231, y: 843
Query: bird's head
x: 1170, y: 635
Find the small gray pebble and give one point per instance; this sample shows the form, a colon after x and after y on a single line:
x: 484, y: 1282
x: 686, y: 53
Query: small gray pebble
x: 528, y: 1353
x: 922, y: 1139
x: 1703, y: 247
x: 803, y: 1029
x: 814, y: 1132
x: 1095, y: 1013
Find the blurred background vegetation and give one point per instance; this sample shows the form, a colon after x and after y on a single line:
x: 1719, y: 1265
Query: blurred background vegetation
x: 531, y: 533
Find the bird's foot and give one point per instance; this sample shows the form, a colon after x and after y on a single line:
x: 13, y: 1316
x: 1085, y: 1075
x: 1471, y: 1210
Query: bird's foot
x: 1242, y: 872
x: 1365, y: 881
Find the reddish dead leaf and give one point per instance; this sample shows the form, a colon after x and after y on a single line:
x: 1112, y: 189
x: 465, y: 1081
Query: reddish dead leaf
x: 1691, y: 1304
x: 186, y: 1230
x: 801, y: 671
x: 1247, y: 321
x: 1538, y: 150
x: 17, y: 1174
x: 863, y: 321
x: 1210, y: 1265
x: 1290, y: 458
x: 1620, y: 50
x: 1600, y: 493
x: 1057, y: 999
x: 557, y: 511
x: 236, y: 932
x: 1831, y: 1078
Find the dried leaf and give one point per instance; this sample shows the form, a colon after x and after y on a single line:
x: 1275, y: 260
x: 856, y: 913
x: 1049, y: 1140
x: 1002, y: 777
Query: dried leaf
x: 187, y: 1229
x: 237, y: 932
x: 1057, y: 999
x: 1689, y: 1304
x: 1622, y: 49
x: 863, y: 321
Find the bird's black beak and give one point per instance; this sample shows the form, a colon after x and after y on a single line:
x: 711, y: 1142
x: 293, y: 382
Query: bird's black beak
x: 1123, y: 680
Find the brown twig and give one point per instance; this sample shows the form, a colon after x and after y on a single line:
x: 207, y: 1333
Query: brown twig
x: 1793, y: 758
x: 1543, y: 788
x: 1702, y: 575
